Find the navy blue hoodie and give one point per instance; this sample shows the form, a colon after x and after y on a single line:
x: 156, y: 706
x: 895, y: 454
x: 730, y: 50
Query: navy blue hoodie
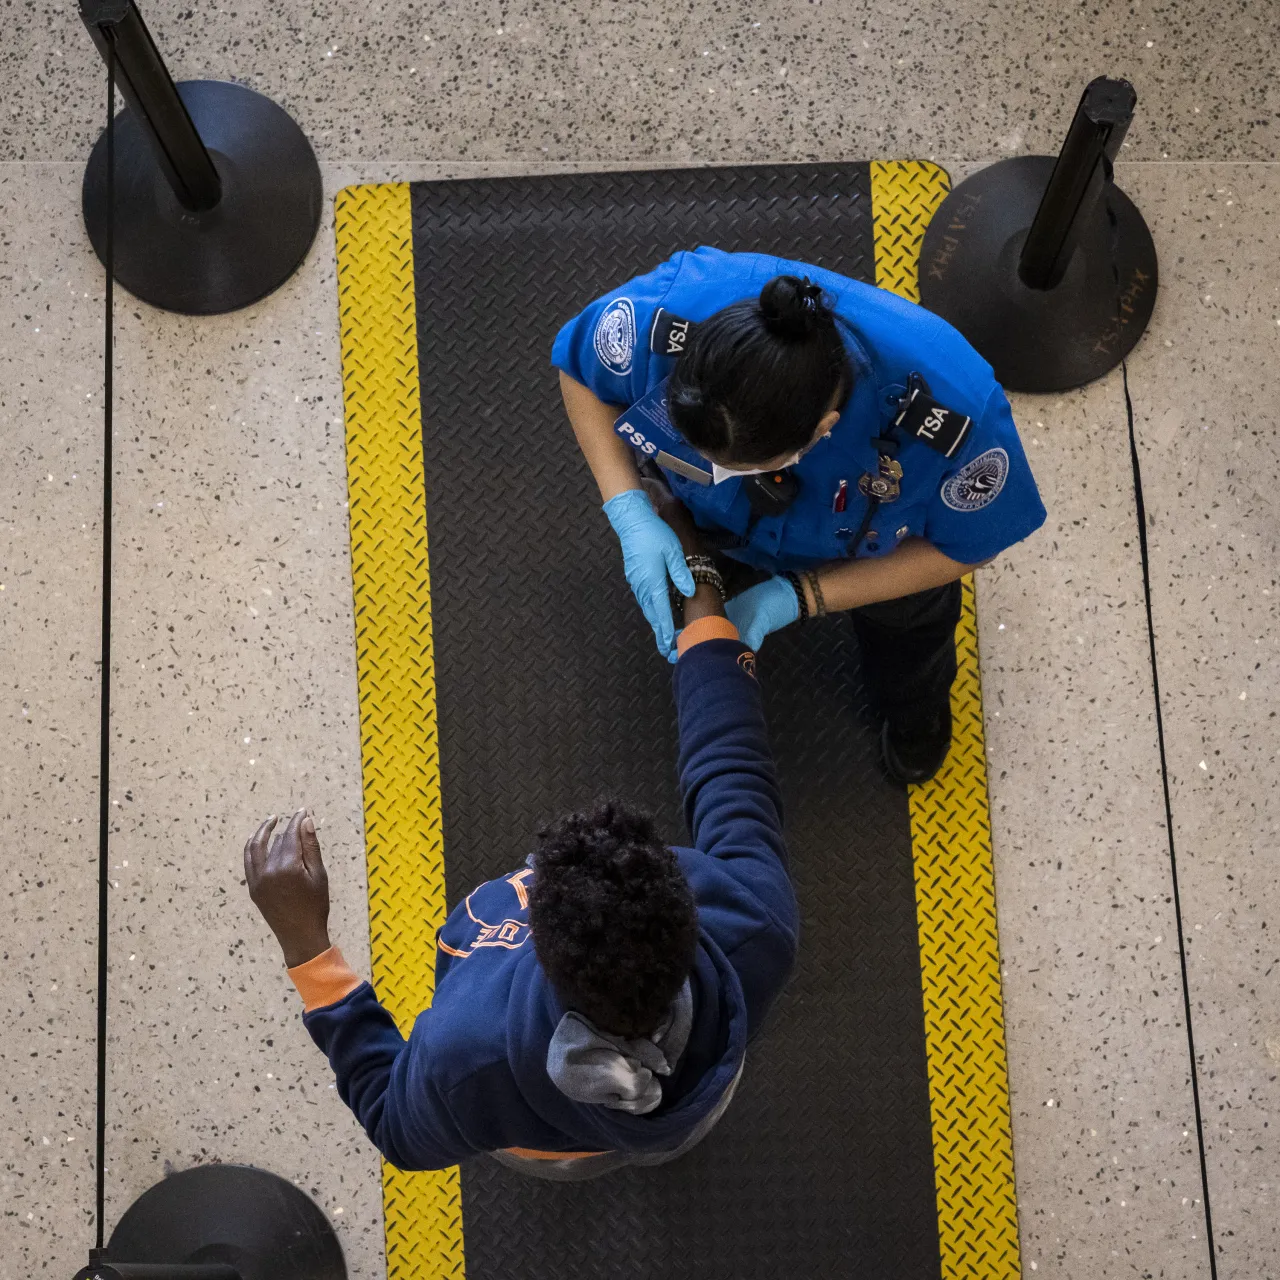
x: 472, y: 1076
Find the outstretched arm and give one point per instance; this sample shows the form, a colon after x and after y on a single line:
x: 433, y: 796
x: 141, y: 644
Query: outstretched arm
x: 732, y: 802
x: 387, y: 1082
x: 733, y: 805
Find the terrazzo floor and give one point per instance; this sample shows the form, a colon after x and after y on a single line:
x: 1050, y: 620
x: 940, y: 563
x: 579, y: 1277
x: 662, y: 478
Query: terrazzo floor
x: 234, y: 679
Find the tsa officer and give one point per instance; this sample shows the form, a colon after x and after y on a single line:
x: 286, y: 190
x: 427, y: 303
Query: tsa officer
x: 846, y: 449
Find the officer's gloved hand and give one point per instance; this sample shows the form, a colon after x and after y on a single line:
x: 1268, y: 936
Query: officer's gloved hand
x: 651, y: 554
x: 762, y: 609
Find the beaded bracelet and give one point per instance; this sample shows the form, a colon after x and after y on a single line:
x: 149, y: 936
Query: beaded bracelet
x: 704, y: 570
x: 709, y: 578
x: 699, y: 561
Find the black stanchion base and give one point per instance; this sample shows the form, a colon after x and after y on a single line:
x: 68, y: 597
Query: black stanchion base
x: 1037, y: 340
x: 231, y: 1214
x: 236, y: 253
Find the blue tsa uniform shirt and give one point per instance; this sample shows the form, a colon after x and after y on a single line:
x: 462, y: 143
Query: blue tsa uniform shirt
x: 955, y: 475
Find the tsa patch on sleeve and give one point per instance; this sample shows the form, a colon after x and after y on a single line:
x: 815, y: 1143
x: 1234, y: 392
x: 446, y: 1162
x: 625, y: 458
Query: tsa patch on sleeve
x: 978, y: 483
x: 615, y: 336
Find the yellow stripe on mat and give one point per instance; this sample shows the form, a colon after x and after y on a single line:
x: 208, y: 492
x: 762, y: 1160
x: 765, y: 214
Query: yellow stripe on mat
x: 955, y: 883
x: 395, y: 667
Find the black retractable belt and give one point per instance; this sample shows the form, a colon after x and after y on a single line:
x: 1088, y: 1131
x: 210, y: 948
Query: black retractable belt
x: 272, y: 1229
x: 1113, y: 196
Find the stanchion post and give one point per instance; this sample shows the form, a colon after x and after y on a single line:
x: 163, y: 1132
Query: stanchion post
x: 147, y: 87
x: 220, y: 1222
x: 1042, y: 262
x: 217, y: 192
x: 1097, y: 130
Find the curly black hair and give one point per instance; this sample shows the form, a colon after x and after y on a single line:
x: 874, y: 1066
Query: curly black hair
x: 612, y: 917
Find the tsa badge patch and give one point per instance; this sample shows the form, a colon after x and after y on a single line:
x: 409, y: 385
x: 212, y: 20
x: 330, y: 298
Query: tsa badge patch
x: 615, y: 336
x: 978, y: 483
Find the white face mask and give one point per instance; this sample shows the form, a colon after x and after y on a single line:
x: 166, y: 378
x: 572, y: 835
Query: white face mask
x: 720, y: 474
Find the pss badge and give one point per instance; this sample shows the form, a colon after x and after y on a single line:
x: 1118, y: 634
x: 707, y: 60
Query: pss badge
x: 615, y: 336
x: 978, y: 483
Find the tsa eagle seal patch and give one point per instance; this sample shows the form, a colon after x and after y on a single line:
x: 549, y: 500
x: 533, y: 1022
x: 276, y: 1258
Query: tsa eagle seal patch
x: 978, y: 483
x: 615, y: 336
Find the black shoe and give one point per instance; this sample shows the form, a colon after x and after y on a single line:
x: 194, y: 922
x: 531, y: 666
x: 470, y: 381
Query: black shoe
x: 914, y: 749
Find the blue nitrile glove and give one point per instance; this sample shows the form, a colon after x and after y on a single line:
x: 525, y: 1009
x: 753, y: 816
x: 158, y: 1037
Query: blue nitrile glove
x: 651, y: 553
x: 763, y: 609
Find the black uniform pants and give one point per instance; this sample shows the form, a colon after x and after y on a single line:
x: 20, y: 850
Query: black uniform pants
x: 909, y: 651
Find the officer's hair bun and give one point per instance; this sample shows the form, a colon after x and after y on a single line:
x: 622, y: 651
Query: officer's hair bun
x: 793, y: 308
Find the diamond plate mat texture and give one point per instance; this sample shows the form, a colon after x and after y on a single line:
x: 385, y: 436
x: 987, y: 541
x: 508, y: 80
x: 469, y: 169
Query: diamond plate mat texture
x: 870, y: 1135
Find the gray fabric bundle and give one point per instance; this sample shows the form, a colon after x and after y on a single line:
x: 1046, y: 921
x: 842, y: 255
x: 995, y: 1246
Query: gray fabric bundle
x: 590, y: 1065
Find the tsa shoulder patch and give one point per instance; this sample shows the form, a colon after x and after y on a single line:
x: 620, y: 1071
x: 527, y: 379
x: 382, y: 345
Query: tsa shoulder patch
x: 978, y: 483
x: 615, y: 336
x: 940, y: 428
x: 670, y: 334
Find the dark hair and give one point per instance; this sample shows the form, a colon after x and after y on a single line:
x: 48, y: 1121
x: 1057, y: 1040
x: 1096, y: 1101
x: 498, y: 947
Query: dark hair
x: 756, y: 377
x: 612, y: 918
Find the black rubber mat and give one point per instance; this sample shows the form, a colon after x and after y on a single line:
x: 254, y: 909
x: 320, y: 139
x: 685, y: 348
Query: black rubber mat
x: 550, y: 692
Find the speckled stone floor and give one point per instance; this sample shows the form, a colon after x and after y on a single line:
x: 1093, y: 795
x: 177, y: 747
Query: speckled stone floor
x: 234, y: 675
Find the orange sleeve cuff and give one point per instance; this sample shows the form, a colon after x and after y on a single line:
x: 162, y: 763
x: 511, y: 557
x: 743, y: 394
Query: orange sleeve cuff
x: 324, y: 979
x: 712, y: 627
